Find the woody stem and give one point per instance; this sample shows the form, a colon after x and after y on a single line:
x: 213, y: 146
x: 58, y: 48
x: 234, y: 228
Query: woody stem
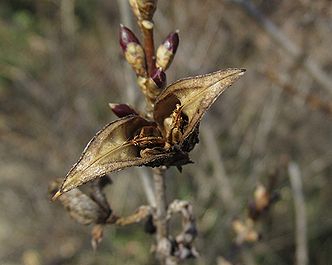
x: 149, y: 48
x: 161, y: 201
x: 161, y: 208
x: 160, y: 217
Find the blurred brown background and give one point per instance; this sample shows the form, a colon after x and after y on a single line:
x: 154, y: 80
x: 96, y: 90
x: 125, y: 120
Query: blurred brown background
x: 60, y: 65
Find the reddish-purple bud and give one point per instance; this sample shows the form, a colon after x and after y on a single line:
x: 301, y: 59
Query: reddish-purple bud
x: 133, y: 51
x: 171, y: 43
x: 159, y: 78
x: 166, y: 51
x: 122, y: 110
x: 126, y: 37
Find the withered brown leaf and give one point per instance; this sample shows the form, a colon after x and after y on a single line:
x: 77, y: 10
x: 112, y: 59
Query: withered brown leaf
x: 111, y: 149
x: 192, y: 97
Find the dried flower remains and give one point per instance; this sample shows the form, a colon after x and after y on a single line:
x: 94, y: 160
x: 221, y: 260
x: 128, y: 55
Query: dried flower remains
x: 164, y: 140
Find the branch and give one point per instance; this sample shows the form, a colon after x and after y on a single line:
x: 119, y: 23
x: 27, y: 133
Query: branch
x: 161, y: 213
x: 147, y: 33
x: 300, y: 214
x: 143, y: 173
x: 290, y: 47
x: 219, y: 172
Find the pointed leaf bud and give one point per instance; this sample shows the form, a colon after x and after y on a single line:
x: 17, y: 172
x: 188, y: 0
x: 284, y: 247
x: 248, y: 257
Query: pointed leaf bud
x: 126, y: 37
x: 132, y: 50
x: 122, y: 110
x: 159, y: 78
x: 167, y: 50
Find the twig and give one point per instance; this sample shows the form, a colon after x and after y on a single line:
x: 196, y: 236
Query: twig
x: 68, y: 23
x: 300, y: 214
x: 290, y: 47
x: 149, y: 48
x: 163, y: 244
x: 140, y: 214
x: 161, y: 205
x: 266, y: 122
x: 161, y: 214
x: 145, y: 179
x: 225, y: 188
x: 311, y: 100
x: 143, y: 173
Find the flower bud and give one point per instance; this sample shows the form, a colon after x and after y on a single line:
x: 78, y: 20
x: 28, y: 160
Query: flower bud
x: 132, y: 50
x: 146, y: 8
x: 122, y: 110
x: 159, y: 78
x: 167, y: 50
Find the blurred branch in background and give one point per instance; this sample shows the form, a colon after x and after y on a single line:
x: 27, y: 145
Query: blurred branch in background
x: 213, y: 153
x: 300, y: 214
x: 312, y: 101
x: 68, y: 19
x: 299, y: 56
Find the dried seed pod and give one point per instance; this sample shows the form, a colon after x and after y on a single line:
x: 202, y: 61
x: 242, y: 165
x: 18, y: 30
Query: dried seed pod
x: 177, y: 113
x: 122, y: 110
x: 115, y: 147
x: 80, y: 206
x: 166, y: 51
x: 180, y: 107
x: 133, y: 50
x: 110, y: 150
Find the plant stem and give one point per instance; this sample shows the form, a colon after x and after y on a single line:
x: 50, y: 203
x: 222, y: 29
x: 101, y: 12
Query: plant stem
x: 160, y: 216
x: 161, y: 202
x: 161, y: 210
x: 300, y: 214
x: 149, y: 48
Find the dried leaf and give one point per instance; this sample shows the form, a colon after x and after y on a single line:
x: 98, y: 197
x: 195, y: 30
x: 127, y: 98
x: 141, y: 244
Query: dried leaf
x: 111, y: 149
x: 192, y: 97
